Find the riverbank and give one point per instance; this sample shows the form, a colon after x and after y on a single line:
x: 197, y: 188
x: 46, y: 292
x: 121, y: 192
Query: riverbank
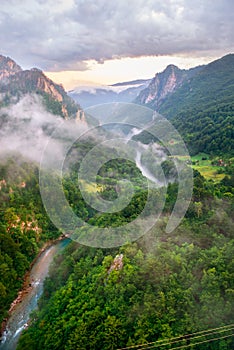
x: 26, y: 283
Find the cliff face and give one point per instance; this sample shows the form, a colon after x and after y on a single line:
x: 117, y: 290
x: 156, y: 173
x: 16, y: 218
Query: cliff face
x: 8, y: 67
x: 45, y: 84
x: 15, y: 82
x: 163, y: 84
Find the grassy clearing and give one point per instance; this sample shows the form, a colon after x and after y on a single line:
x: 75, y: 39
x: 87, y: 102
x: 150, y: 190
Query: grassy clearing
x: 91, y: 187
x: 209, y: 172
x: 202, y: 163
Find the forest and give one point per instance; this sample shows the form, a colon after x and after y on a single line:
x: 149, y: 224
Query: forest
x: 161, y: 287
x: 24, y: 226
x: 161, y: 291
x: 155, y: 290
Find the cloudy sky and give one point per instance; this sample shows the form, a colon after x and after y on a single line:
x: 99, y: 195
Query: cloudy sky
x: 106, y: 41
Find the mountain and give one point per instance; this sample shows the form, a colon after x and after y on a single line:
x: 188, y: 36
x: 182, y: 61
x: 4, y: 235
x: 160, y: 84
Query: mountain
x: 163, y: 85
x: 199, y: 102
x: 202, y: 109
x: 160, y: 289
x: 212, y: 85
x: 121, y: 92
x: 16, y: 82
x: 8, y: 67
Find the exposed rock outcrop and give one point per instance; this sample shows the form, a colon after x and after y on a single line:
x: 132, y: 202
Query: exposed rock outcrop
x: 8, y: 67
x: 163, y: 84
x: 15, y: 82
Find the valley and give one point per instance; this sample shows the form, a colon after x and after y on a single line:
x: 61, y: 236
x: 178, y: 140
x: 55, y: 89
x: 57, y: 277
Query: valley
x: 146, y: 199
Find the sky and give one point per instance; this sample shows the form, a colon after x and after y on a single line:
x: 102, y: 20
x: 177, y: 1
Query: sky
x: 107, y: 41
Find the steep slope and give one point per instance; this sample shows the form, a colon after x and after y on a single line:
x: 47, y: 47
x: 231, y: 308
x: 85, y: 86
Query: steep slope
x: 24, y: 226
x: 212, y: 85
x: 15, y: 83
x: 202, y: 109
x: 162, y: 286
x: 8, y: 67
x: 163, y: 85
x: 201, y: 106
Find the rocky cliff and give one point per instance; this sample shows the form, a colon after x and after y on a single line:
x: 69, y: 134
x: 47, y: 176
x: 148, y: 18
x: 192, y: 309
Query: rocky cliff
x: 15, y: 83
x: 8, y: 67
x: 164, y: 84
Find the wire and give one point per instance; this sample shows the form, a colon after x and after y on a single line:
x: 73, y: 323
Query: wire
x: 189, y: 336
x: 202, y: 342
x: 179, y: 337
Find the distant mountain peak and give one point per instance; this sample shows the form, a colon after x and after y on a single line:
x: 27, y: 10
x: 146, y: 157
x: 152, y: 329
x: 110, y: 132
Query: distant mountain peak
x: 34, y: 69
x: 8, y: 67
x: 172, y: 67
x: 120, y: 92
x: 132, y: 82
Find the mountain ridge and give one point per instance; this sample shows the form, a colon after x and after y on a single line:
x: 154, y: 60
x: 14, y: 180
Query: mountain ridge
x: 202, y: 108
x: 212, y: 84
x: 8, y: 67
x: 163, y: 84
x: 16, y: 82
x: 132, y: 82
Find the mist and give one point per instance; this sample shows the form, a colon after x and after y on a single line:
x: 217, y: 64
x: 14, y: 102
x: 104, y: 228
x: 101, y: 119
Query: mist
x: 145, y: 171
x: 27, y: 127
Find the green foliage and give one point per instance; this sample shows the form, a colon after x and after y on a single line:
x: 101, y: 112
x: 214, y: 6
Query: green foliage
x: 24, y: 226
x: 210, y: 131
x: 202, y: 109
x: 51, y: 104
x: 211, y: 86
x: 34, y: 81
x: 169, y: 284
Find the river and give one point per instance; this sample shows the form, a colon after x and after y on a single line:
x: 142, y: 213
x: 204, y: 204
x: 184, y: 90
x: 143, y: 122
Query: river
x: 20, y: 315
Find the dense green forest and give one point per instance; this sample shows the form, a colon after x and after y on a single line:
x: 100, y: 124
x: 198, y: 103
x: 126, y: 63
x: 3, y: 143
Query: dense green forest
x: 202, y: 110
x: 24, y: 226
x: 157, y: 290
x: 210, y: 131
x: 212, y: 85
x: 162, y: 286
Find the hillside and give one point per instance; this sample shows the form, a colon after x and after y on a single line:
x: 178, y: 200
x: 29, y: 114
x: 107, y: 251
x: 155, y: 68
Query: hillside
x: 158, y: 288
x: 24, y: 226
x: 8, y: 67
x: 163, y: 85
x: 31, y: 107
x: 213, y: 85
x: 16, y: 83
x: 202, y: 108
